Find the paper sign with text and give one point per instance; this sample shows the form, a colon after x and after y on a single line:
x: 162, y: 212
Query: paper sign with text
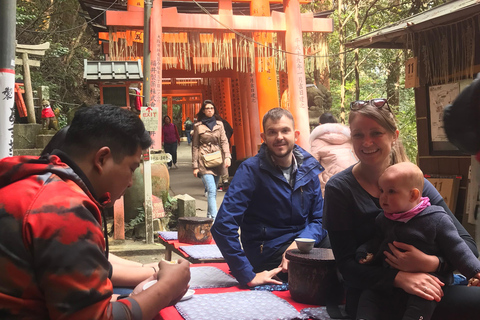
x: 149, y: 117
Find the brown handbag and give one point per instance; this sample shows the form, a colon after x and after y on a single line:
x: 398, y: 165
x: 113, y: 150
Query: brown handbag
x: 212, y: 160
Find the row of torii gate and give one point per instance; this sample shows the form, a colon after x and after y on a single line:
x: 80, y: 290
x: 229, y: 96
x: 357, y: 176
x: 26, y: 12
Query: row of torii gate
x: 245, y: 64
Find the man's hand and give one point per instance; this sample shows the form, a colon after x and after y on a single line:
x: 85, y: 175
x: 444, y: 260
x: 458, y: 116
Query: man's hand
x: 407, y: 258
x: 177, y: 275
x: 264, y: 277
x: 285, y: 261
x: 195, y: 172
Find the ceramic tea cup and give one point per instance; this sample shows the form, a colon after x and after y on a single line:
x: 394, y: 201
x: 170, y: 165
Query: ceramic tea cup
x: 305, y: 245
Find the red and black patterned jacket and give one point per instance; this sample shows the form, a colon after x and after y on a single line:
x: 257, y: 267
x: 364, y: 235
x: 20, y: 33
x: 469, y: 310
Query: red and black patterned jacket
x: 52, y: 260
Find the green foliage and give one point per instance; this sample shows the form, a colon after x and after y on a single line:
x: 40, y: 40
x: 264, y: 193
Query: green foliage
x: 140, y: 218
x: 61, y: 69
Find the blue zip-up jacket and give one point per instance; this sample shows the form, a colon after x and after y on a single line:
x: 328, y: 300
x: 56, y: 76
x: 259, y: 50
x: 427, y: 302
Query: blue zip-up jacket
x: 269, y: 212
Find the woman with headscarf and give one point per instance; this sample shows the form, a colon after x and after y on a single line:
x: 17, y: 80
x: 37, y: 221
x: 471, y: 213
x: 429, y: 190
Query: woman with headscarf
x: 208, y: 138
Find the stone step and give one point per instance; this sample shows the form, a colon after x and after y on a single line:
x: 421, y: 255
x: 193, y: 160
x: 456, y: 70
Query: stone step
x: 43, y: 139
x: 27, y: 152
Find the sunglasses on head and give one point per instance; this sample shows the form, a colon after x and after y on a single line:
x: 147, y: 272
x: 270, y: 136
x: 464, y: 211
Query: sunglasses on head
x: 378, y: 103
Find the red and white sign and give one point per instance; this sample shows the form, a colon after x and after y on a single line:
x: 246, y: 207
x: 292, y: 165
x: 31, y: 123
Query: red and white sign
x: 149, y: 117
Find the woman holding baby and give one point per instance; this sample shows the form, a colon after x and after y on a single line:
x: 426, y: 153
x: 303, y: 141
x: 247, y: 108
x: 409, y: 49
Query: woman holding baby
x: 352, y: 204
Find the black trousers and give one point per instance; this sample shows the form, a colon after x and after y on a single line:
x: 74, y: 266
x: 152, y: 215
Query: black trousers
x: 172, y: 149
x: 458, y: 302
x: 380, y: 305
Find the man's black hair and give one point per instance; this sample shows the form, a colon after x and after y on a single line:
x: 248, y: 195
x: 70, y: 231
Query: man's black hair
x: 105, y: 125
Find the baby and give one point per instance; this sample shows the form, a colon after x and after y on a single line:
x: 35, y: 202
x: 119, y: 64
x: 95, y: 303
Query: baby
x: 408, y: 217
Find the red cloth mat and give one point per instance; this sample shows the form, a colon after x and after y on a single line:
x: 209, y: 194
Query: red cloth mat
x: 171, y: 313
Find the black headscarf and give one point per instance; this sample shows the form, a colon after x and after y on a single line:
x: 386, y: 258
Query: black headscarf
x: 210, y: 122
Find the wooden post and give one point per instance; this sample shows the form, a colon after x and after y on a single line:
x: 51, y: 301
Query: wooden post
x: 119, y: 219
x: 237, y: 117
x: 296, y: 72
x: 147, y: 176
x: 255, y: 120
x: 169, y: 108
x: 243, y: 88
x: 25, y: 50
x: 28, y: 89
x: 156, y: 47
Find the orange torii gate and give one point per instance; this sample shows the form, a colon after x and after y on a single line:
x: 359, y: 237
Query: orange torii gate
x: 242, y: 55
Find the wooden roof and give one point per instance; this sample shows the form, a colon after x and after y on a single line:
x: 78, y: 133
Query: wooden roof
x: 394, y: 36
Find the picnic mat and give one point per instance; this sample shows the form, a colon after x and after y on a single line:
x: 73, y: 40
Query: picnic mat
x: 242, y: 305
x: 168, y: 235
x: 321, y: 313
x: 210, y: 277
x: 203, y: 251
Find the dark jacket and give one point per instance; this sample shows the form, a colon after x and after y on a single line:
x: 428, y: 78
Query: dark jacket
x: 269, y: 212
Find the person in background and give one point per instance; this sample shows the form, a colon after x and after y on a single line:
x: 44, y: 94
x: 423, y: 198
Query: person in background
x: 274, y: 198
x: 330, y: 144
x: 170, y: 140
x: 352, y: 204
x: 209, y: 137
x: 188, y: 125
x: 51, y: 231
x: 224, y: 181
x: 410, y: 218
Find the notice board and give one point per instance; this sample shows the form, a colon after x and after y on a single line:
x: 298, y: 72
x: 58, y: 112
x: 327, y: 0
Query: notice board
x: 447, y: 186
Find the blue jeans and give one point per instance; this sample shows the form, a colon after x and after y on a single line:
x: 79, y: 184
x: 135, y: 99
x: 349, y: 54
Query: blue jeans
x: 189, y: 136
x: 211, y: 182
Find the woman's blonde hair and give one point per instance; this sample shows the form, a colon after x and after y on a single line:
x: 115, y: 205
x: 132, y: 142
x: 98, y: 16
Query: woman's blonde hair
x: 385, y: 118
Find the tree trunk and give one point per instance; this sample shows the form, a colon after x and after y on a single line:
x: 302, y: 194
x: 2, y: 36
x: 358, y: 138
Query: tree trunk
x: 357, y: 58
x: 342, y: 57
x: 393, y: 81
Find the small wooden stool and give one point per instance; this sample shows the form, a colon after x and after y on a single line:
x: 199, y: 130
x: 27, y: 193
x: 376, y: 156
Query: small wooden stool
x: 194, y: 230
x: 312, y: 277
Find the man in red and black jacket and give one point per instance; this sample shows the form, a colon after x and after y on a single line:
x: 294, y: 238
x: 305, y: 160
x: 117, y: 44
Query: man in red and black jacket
x: 52, y: 254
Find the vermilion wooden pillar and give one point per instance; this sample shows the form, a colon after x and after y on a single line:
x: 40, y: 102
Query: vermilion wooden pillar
x: 227, y: 103
x: 156, y: 47
x: 267, y: 78
x: 296, y: 71
x: 184, y: 116
x: 255, y: 120
x: 169, y: 107
x: 244, y: 91
x: 237, y: 116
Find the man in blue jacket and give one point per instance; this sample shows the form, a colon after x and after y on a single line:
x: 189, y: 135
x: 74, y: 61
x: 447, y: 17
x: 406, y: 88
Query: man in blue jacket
x: 274, y: 198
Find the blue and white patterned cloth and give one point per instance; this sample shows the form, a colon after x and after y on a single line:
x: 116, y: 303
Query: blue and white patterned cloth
x: 271, y: 287
x: 210, y: 277
x: 243, y: 305
x: 168, y: 235
x: 203, y: 251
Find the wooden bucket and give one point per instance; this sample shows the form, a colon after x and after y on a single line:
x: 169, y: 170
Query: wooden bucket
x: 312, y: 277
x: 194, y: 230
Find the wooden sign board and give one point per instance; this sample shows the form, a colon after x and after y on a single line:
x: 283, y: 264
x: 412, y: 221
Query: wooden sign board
x: 448, y: 187
x: 411, y: 77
